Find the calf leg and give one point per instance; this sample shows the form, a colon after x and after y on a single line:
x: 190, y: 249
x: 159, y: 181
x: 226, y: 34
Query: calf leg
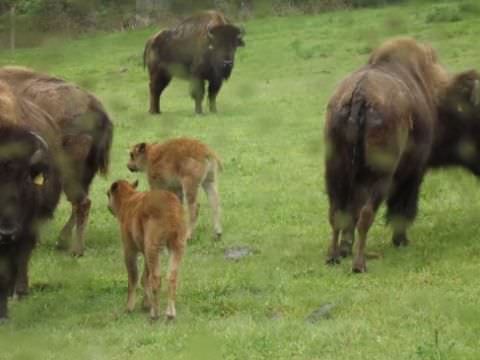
x: 190, y: 189
x: 159, y: 80
x: 154, y: 280
x: 197, y: 92
x: 402, y: 206
x: 175, y: 259
x: 214, y: 86
x: 211, y: 189
x: 146, y: 301
x: 132, y: 271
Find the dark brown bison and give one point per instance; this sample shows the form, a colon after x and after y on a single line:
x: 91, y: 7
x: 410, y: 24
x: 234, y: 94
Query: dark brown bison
x: 379, y: 132
x: 457, y: 140
x: 201, y: 48
x: 29, y: 187
x: 85, y: 132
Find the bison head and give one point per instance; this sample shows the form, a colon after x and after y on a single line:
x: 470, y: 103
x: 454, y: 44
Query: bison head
x: 223, y: 41
x: 23, y: 172
x: 459, y: 111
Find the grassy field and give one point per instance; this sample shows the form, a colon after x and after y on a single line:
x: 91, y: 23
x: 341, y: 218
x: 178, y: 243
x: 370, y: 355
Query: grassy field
x: 416, y: 303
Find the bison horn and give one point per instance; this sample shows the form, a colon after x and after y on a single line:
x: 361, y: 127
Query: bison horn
x: 40, y: 139
x: 209, y: 31
x: 475, y: 96
x: 37, y: 157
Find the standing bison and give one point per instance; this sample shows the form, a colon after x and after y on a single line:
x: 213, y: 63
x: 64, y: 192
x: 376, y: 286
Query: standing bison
x: 85, y: 132
x: 201, y: 48
x: 380, y: 130
x: 29, y: 187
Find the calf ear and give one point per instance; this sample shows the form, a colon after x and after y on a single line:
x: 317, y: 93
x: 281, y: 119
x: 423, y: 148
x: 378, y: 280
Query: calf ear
x: 475, y: 93
x: 135, y: 184
x: 141, y: 147
x: 114, y: 187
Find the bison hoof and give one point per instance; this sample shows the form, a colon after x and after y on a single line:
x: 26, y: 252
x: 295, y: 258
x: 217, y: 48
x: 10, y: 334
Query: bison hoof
x: 77, y: 252
x: 217, y: 236
x: 154, y: 112
x: 400, y: 240
x: 359, y: 267
x: 62, y: 245
x: 333, y: 260
x: 345, y: 249
x: 170, y: 319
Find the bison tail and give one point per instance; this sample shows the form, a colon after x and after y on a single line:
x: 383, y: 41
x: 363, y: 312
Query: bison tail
x: 357, y: 120
x: 103, y: 146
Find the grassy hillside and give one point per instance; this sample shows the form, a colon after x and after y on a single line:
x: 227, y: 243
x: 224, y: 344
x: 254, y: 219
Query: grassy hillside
x: 416, y: 303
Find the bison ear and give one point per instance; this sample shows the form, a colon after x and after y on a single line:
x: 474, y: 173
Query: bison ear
x: 135, y: 184
x: 142, y: 147
x: 475, y: 93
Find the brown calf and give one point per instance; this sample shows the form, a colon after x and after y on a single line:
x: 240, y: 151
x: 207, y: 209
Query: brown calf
x: 181, y: 166
x: 149, y: 221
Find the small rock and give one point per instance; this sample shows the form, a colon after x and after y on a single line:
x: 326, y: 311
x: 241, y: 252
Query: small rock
x: 236, y: 253
x: 323, y: 312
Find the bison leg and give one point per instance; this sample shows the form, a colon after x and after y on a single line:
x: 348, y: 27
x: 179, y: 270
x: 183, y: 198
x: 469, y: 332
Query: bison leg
x: 402, y: 206
x: 82, y: 210
x: 65, y: 238
x: 213, y: 89
x: 348, y: 238
x: 6, y: 283
x: 23, y: 259
x: 365, y: 220
x: 197, y: 92
x: 158, y: 82
x: 333, y: 256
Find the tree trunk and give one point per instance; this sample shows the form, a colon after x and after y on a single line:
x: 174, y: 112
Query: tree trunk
x: 12, y: 29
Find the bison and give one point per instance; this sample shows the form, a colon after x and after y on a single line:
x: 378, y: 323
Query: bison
x: 29, y: 187
x: 457, y: 140
x: 201, y: 48
x: 86, y: 133
x: 379, y: 131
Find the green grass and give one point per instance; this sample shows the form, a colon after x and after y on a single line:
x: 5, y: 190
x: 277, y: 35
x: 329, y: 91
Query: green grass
x: 416, y: 303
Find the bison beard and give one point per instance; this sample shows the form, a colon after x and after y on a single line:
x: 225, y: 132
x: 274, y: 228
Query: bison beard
x: 379, y: 132
x: 201, y: 48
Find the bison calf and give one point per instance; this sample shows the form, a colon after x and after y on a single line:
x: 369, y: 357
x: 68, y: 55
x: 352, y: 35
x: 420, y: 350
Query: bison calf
x: 149, y: 222
x: 181, y: 166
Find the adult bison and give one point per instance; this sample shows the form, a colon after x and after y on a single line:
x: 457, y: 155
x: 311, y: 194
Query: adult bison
x: 29, y: 187
x: 86, y: 135
x: 380, y: 130
x: 201, y: 48
x: 457, y: 131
